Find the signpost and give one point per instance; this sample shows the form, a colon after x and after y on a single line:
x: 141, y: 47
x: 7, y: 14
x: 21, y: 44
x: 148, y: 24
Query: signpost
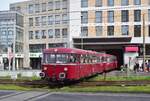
x: 9, y: 55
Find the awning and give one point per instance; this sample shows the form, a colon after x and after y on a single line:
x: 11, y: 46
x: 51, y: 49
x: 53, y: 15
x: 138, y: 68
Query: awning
x: 131, y: 49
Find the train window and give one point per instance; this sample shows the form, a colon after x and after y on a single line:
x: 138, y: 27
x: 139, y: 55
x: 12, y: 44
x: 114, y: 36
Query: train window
x: 73, y: 58
x: 81, y: 59
x: 49, y: 58
x: 61, y: 58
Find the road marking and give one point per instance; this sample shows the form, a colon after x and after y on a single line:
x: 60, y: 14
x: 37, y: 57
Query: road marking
x: 23, y: 96
x: 11, y: 95
x: 40, y: 97
x: 109, y: 94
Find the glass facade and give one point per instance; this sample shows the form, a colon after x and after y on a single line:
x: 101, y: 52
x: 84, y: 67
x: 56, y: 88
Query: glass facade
x: 8, y: 30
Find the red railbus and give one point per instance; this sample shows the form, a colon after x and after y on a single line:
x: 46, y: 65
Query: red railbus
x: 69, y: 64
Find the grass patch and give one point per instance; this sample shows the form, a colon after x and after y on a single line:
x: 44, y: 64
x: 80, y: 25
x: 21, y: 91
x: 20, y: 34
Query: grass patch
x: 13, y: 87
x: 119, y: 78
x: 115, y: 89
x: 97, y: 89
x: 22, y: 78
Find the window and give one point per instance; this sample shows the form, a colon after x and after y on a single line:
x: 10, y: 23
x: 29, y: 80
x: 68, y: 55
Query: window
x: 43, y: 7
x: 84, y: 17
x: 31, y: 10
x: 57, y: 33
x: 149, y: 15
x: 30, y: 34
x: 110, y: 30
x: 110, y: 16
x: 110, y: 2
x: 57, y: 5
x: 98, y: 3
x: 64, y: 33
x: 84, y: 31
x: 64, y: 4
x: 43, y: 34
x: 137, y: 2
x: 50, y: 6
x: 30, y: 21
x: 137, y: 15
x: 37, y: 34
x: 18, y: 8
x: 37, y: 48
x: 124, y: 2
x: 124, y: 16
x: 64, y: 18
x: 148, y: 2
x: 137, y: 30
x: 149, y: 30
x: 99, y: 30
x: 50, y: 20
x: 84, y: 3
x: 37, y: 8
x: 125, y: 29
x: 50, y: 33
x: 43, y: 20
x: 37, y: 21
x: 57, y: 19
x: 98, y: 17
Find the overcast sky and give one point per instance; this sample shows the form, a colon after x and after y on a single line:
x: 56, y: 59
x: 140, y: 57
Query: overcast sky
x: 4, y: 5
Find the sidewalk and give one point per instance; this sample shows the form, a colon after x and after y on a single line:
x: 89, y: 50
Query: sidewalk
x: 23, y: 73
x: 131, y: 73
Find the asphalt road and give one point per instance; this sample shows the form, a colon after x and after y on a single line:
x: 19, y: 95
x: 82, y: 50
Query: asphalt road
x: 55, y: 96
x: 96, y: 97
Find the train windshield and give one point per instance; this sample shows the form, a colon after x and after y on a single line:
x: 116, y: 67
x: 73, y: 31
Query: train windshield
x: 59, y: 58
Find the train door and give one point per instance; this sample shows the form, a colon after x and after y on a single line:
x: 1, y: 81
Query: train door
x: 78, y: 66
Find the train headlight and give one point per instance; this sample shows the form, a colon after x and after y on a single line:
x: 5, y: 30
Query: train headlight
x: 62, y: 75
x: 65, y: 69
x: 45, y: 68
x: 42, y: 74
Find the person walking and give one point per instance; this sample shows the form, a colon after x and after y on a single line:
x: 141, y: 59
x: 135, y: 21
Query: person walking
x: 148, y: 66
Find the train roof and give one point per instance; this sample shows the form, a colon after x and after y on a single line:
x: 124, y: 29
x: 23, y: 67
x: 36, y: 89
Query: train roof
x: 74, y: 51
x: 65, y: 50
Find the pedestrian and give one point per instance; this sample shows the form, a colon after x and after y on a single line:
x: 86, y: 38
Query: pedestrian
x: 148, y: 65
x: 1, y: 66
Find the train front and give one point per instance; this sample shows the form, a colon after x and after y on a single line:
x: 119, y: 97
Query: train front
x: 56, y: 66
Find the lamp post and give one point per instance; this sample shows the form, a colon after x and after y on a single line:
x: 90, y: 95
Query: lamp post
x: 14, y: 48
x: 143, y: 40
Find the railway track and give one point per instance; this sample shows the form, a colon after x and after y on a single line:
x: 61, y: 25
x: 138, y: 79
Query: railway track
x: 35, y: 83
x: 42, y: 83
x: 115, y: 83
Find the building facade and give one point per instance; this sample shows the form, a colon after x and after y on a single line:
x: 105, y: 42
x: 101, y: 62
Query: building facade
x: 11, y: 39
x: 114, y: 26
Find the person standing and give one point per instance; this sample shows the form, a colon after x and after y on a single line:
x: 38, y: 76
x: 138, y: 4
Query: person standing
x: 1, y: 66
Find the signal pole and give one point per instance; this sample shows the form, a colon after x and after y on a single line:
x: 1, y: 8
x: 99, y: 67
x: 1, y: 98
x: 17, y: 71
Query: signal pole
x: 144, y: 40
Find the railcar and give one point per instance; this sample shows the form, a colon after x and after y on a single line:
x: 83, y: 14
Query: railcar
x: 69, y: 64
